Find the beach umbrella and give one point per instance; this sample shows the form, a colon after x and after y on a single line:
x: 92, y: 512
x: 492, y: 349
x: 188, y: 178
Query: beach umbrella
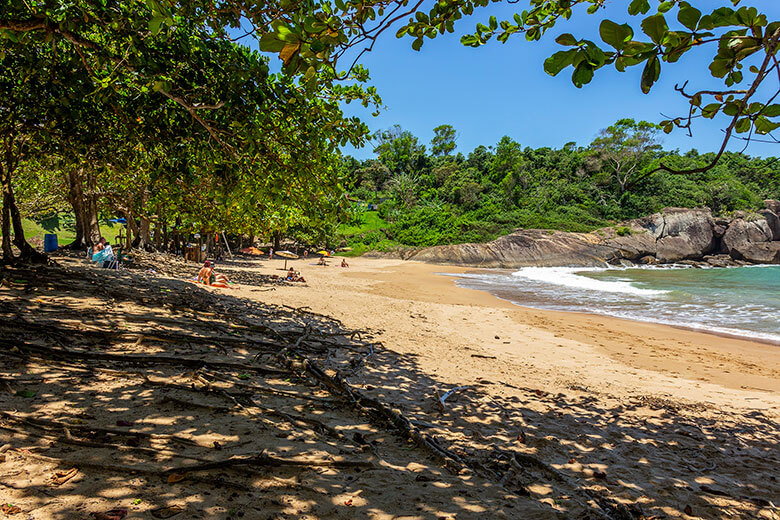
x: 323, y: 253
x: 287, y: 255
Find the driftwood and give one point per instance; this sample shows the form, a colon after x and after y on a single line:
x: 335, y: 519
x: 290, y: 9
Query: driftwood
x: 447, y: 394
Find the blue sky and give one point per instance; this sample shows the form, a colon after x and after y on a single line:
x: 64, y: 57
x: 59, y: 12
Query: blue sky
x: 499, y: 90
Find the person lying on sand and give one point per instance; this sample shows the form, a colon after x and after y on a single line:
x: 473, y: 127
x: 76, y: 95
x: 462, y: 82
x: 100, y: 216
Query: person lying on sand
x: 344, y: 262
x: 292, y: 276
x: 207, y: 276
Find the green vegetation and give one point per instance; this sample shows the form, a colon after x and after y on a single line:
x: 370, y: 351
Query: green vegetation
x: 439, y: 198
x: 64, y: 225
x: 155, y: 111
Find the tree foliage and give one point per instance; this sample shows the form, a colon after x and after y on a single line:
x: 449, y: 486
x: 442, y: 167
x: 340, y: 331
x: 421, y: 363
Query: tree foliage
x: 495, y: 190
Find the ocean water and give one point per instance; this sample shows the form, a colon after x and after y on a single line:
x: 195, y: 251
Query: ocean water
x: 741, y: 301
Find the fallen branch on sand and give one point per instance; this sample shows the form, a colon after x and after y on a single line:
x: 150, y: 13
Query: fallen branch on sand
x: 447, y: 394
x: 376, y: 408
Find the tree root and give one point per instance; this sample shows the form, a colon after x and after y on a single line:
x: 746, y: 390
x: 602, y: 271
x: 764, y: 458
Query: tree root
x: 35, y: 421
x: 70, y: 354
x: 263, y: 459
x: 124, y: 469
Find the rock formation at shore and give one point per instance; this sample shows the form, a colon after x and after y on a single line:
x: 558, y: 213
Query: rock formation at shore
x: 675, y: 235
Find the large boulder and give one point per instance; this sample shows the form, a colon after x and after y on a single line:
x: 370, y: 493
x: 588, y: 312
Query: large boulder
x: 759, y: 253
x: 773, y: 206
x: 773, y: 221
x: 742, y: 232
x: 686, y: 234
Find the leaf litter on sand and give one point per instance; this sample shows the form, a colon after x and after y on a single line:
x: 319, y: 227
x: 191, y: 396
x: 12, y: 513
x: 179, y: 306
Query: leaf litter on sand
x: 60, y: 477
x: 10, y: 509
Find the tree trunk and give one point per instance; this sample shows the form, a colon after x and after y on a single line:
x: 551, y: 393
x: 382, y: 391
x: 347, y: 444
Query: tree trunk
x: 177, y: 247
x: 132, y: 231
x: 277, y: 240
x: 8, y: 253
x: 91, y: 222
x: 76, y: 199
x: 28, y: 253
x: 144, y: 240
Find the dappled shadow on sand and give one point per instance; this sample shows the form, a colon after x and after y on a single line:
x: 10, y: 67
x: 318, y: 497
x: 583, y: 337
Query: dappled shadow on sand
x: 123, y: 391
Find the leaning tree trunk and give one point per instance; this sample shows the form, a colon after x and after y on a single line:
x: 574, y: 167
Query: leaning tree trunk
x: 8, y: 253
x: 28, y: 253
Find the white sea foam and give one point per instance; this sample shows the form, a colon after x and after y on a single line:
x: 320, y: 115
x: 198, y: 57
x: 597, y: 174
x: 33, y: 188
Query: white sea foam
x: 569, y: 277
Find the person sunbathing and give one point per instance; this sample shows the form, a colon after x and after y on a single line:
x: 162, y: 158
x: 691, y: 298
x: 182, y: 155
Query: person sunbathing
x: 344, y: 262
x: 207, y: 276
x: 322, y: 261
x: 292, y: 276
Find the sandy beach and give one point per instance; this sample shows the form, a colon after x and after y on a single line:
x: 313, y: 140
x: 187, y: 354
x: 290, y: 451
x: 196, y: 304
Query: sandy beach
x: 421, y: 311
x: 662, y: 415
x: 549, y: 415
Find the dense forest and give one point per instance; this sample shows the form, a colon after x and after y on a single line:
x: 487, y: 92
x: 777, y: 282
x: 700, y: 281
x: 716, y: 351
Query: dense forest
x: 435, y: 195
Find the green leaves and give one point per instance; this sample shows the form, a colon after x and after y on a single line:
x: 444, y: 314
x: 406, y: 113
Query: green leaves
x: 638, y: 6
x: 688, y: 16
x: 559, y: 61
x: 566, y: 39
x: 655, y: 27
x: 650, y: 74
x: 582, y: 75
x: 614, y: 34
x: 765, y: 126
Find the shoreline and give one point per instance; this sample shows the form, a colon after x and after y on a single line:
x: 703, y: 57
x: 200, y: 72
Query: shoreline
x: 703, y: 329
x: 424, y: 314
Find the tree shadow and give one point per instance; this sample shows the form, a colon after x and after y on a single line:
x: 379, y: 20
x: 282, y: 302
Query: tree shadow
x: 88, y: 383
x: 222, y: 378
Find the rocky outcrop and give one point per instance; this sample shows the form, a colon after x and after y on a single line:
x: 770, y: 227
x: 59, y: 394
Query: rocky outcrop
x: 533, y: 247
x: 675, y: 235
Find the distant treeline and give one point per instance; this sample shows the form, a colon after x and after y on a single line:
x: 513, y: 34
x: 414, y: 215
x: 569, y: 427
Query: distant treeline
x: 441, y: 197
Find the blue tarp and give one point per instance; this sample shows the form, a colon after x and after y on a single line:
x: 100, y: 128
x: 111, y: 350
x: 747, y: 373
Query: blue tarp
x: 118, y: 220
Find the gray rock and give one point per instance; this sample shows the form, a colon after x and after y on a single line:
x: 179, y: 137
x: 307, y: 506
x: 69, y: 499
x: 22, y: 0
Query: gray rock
x: 742, y: 232
x: 718, y: 230
x: 524, y: 248
x: 773, y: 206
x: 760, y: 253
x: 687, y: 234
x: 719, y: 260
x: 773, y: 221
x: 673, y: 235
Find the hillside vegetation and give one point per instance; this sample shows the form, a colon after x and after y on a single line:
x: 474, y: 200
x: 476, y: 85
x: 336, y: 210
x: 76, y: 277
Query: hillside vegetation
x: 435, y: 197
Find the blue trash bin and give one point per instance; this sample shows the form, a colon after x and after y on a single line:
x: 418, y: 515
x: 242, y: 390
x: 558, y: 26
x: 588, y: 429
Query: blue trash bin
x: 50, y: 242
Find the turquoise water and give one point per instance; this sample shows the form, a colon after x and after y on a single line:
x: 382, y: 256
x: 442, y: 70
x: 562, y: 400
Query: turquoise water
x: 743, y: 301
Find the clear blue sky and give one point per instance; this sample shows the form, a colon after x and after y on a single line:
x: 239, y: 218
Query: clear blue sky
x: 499, y: 90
